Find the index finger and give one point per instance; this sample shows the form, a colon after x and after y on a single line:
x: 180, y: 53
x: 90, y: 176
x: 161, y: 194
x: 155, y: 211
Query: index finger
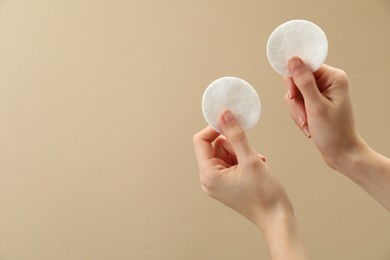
x: 203, y: 144
x: 326, y: 75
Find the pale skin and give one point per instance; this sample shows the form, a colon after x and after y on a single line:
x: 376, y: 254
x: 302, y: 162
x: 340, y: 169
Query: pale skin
x: 233, y: 173
x: 320, y: 105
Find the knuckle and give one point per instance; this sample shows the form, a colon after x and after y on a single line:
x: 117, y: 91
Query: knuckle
x: 341, y: 78
x: 236, y: 133
x: 207, y: 180
x: 219, y: 141
x: 196, y: 138
x: 307, y: 81
x: 341, y: 73
x: 254, y: 162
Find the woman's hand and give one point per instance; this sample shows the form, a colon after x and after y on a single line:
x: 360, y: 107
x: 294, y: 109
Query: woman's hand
x: 320, y: 105
x: 234, y: 174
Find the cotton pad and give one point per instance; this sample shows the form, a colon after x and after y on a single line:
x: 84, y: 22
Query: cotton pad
x: 233, y: 94
x: 296, y: 38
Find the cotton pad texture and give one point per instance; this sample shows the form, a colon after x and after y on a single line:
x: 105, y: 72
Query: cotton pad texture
x: 297, y: 38
x: 234, y: 94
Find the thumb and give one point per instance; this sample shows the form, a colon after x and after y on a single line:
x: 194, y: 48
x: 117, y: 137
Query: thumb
x: 304, y: 80
x: 236, y: 136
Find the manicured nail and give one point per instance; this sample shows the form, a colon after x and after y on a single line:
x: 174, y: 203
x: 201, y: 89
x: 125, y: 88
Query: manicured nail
x: 262, y: 157
x: 228, y: 116
x: 294, y: 63
x: 300, y: 121
x: 289, y: 94
x: 306, y: 131
x: 289, y: 85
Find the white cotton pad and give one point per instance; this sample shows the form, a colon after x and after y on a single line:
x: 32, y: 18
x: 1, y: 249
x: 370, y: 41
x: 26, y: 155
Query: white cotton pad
x: 233, y: 94
x: 297, y: 38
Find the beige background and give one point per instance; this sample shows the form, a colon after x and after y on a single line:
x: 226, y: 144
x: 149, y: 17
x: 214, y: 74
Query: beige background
x: 98, y: 104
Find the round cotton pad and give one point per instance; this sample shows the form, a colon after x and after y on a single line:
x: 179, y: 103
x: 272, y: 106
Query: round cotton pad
x: 297, y: 38
x: 233, y: 94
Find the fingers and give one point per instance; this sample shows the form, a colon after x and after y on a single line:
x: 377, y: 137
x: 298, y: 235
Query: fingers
x: 296, y: 106
x: 262, y: 157
x: 210, y: 145
x: 203, y: 145
x: 236, y: 136
x: 298, y: 113
x: 327, y: 76
x: 224, y: 151
x: 292, y: 90
x: 303, y: 78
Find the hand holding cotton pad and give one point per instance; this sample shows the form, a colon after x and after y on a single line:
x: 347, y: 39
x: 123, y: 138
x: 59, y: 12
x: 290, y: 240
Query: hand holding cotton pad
x: 233, y: 94
x: 297, y: 38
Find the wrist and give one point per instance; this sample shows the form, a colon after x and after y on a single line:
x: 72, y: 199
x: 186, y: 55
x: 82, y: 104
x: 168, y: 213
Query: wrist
x: 279, y: 214
x: 282, y: 217
x: 276, y: 210
x: 282, y: 234
x: 350, y: 157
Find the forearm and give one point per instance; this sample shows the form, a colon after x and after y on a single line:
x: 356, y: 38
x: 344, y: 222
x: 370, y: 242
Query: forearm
x: 370, y: 170
x: 283, y: 237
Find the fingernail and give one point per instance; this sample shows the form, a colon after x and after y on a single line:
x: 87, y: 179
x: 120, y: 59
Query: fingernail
x: 300, y: 121
x: 306, y: 131
x: 228, y: 116
x: 289, y: 85
x: 294, y: 63
x: 289, y: 94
